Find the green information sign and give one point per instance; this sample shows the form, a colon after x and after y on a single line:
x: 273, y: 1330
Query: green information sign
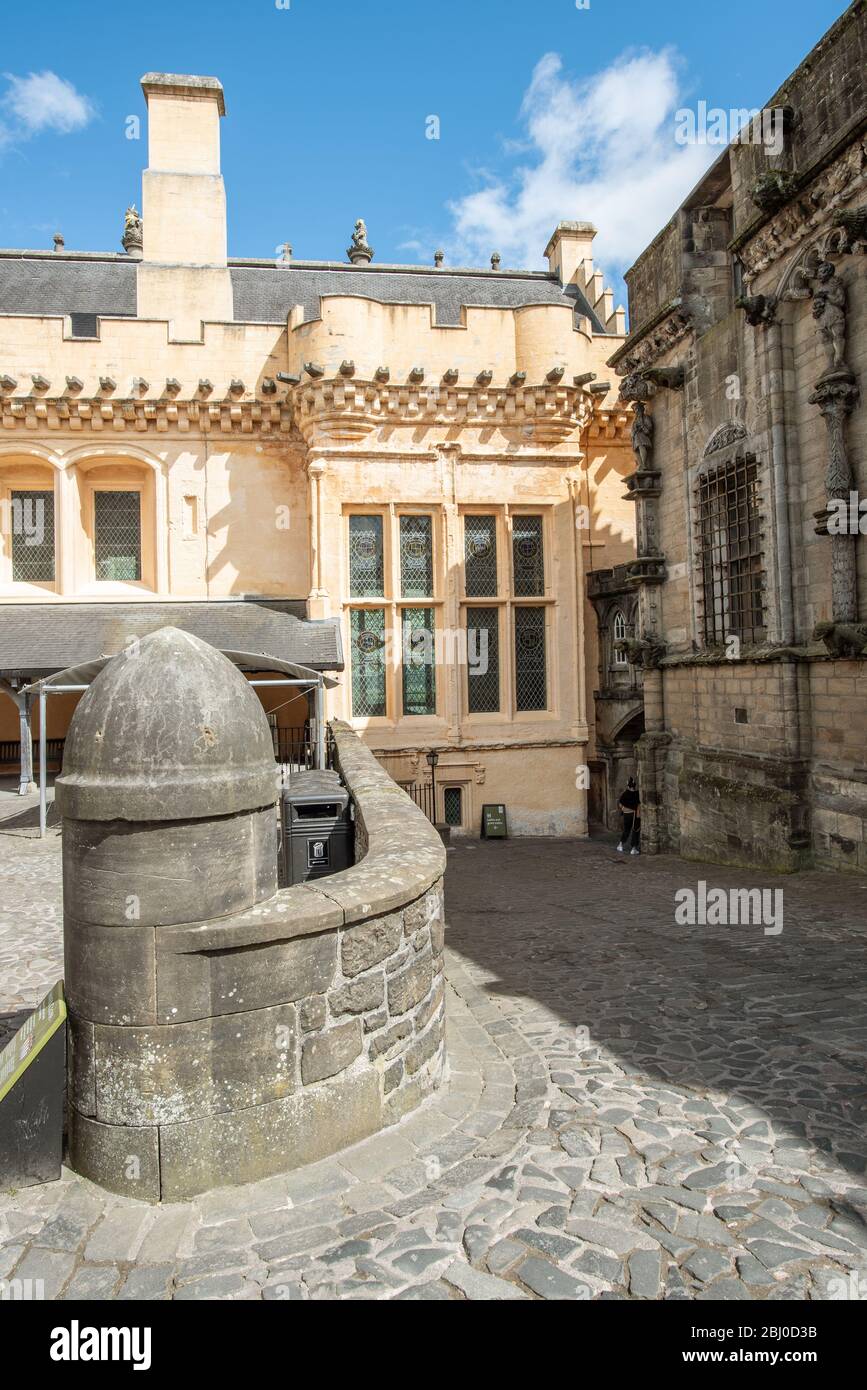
x: 494, y: 822
x: 28, y: 1042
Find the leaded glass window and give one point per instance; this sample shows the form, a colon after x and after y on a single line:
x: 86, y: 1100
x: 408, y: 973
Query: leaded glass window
x: 480, y: 556
x: 416, y: 556
x: 483, y: 660
x: 453, y: 805
x: 730, y: 558
x: 618, y: 634
x: 419, y: 671
x: 528, y: 557
x: 367, y: 638
x: 366, y: 568
x: 531, y: 686
x: 33, y: 536
x: 117, y: 535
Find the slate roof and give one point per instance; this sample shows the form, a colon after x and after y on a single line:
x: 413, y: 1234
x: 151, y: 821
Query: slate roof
x: 57, y: 283
x: 37, y: 639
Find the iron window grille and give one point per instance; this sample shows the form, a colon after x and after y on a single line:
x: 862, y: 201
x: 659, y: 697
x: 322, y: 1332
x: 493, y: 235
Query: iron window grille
x: 480, y: 556
x: 32, y: 527
x: 117, y: 535
x: 731, y: 560
x: 483, y: 660
x: 531, y: 685
x: 416, y: 556
x: 366, y: 563
x: 418, y: 667
x: 528, y: 559
x: 367, y: 628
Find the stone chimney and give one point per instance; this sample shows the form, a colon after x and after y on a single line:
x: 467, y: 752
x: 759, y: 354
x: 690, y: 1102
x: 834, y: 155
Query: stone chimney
x: 571, y: 244
x: 183, y: 275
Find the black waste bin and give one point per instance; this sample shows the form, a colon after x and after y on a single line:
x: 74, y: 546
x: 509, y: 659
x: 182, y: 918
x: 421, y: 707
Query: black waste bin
x: 317, y: 830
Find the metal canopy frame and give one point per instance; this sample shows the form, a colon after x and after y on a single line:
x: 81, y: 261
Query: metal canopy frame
x: 70, y: 682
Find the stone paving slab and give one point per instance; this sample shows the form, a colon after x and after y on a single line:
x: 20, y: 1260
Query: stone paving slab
x: 633, y: 1109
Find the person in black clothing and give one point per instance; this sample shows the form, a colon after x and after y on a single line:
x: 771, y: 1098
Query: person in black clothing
x: 629, y: 806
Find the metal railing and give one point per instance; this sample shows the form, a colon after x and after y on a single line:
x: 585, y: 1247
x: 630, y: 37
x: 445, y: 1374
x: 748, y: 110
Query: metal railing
x: 295, y: 748
x: 422, y: 794
x: 10, y: 752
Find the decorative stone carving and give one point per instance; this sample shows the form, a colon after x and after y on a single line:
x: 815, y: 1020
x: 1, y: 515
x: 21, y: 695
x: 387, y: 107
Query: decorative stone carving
x: 636, y: 387
x: 131, y: 241
x: 773, y: 190
x: 842, y: 639
x: 642, y: 436
x: 644, y: 652
x: 670, y: 378
x: 360, y: 253
x: 759, y: 309
x: 729, y: 433
x: 645, y: 346
x: 829, y: 311
x: 836, y: 394
x: 853, y: 222
x: 815, y: 207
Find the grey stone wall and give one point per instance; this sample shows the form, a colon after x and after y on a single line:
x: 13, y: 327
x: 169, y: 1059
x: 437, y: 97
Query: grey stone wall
x: 220, y: 1051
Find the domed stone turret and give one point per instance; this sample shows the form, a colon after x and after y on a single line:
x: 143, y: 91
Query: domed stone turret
x: 169, y: 730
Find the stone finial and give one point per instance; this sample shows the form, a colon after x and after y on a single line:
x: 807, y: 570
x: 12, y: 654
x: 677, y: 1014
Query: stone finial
x: 107, y: 383
x: 347, y: 367
x: 495, y: 261
x: 132, y: 239
x: 173, y: 386
x: 140, y: 384
x: 484, y: 378
x: 169, y: 731
x: 40, y: 382
x: 205, y: 386
x: 360, y: 253
x: 450, y: 376
x: 416, y: 376
x: 74, y: 383
x: 381, y: 374
x: 517, y: 378
x: 269, y: 386
x: 236, y: 386
x: 439, y: 257
x: 59, y: 243
x: 285, y: 252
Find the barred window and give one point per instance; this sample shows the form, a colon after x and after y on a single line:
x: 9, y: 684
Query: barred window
x: 528, y: 558
x: 367, y: 629
x: 531, y: 686
x: 419, y: 672
x: 416, y: 556
x: 618, y: 634
x: 483, y: 660
x: 117, y: 535
x: 453, y: 805
x: 730, y: 553
x: 480, y: 556
x: 32, y: 536
x: 366, y: 565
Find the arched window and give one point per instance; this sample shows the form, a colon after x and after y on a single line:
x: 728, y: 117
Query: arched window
x: 618, y: 634
x: 27, y: 524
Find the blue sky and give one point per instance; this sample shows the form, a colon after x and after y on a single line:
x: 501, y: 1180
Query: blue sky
x: 545, y: 111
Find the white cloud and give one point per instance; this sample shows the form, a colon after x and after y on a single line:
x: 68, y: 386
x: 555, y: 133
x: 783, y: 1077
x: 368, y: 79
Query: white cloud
x: 39, y: 102
x: 600, y: 150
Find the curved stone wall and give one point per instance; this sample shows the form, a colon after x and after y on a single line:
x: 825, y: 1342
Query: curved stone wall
x: 221, y: 1051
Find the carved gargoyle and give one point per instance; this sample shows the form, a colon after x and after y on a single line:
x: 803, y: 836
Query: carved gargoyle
x: 854, y: 223
x: 645, y: 652
x: 772, y: 190
x: 759, y: 309
x: 842, y: 639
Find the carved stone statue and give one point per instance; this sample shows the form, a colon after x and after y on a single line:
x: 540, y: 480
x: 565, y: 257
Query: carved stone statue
x: 842, y: 639
x: 829, y: 311
x: 360, y: 253
x: 132, y: 230
x: 642, y: 435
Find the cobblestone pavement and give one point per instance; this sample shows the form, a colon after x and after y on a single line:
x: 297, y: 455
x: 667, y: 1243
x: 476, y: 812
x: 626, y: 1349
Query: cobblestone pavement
x: 635, y: 1109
